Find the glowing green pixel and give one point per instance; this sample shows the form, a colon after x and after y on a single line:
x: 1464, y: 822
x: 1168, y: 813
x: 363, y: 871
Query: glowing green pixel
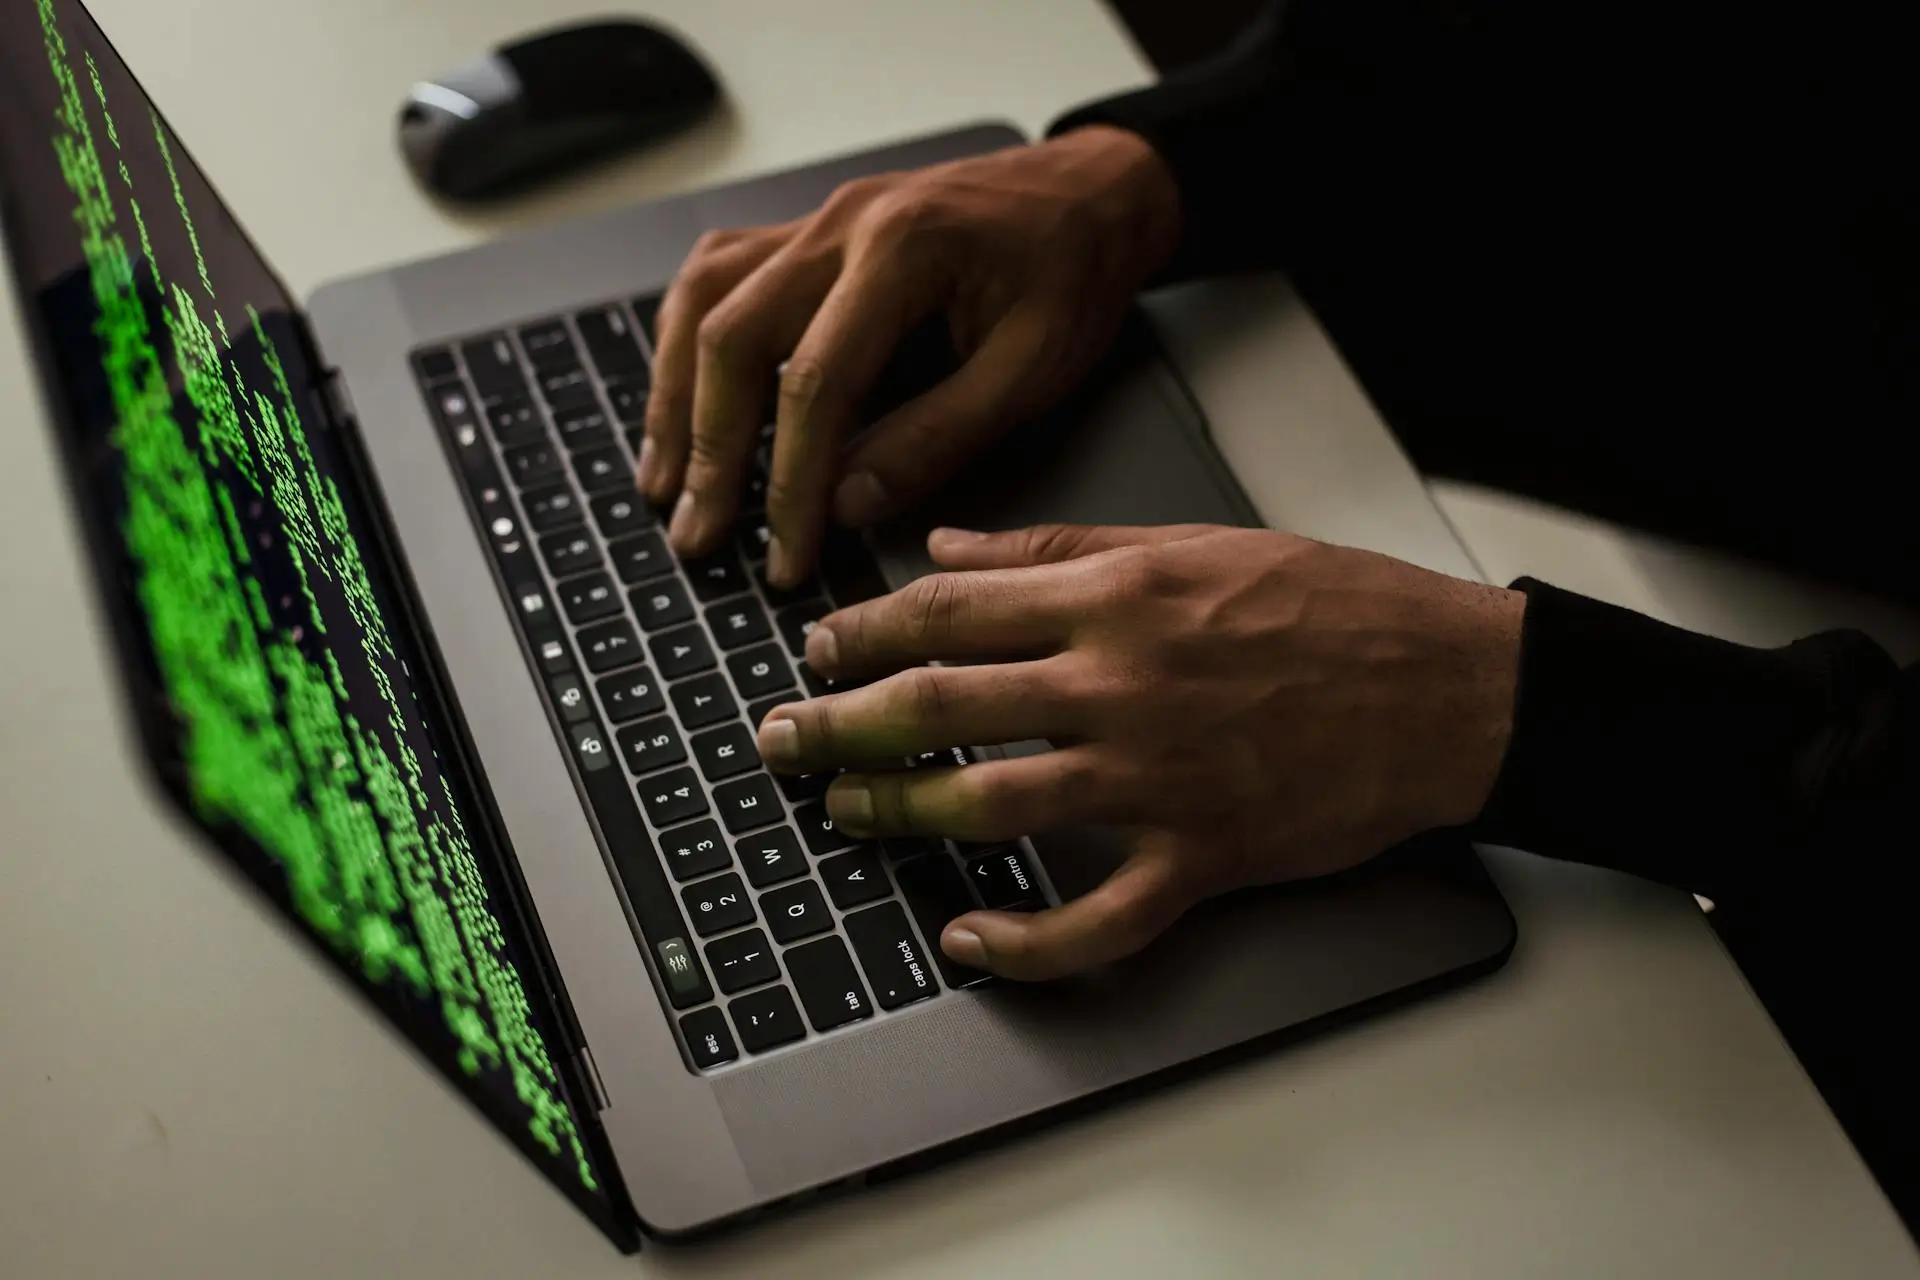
x: 268, y: 737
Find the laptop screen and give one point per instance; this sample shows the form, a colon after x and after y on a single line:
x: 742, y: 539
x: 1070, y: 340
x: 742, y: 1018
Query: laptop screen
x: 280, y: 689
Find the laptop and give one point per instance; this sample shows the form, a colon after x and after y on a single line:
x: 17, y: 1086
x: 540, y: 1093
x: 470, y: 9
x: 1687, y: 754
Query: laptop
x: 399, y: 637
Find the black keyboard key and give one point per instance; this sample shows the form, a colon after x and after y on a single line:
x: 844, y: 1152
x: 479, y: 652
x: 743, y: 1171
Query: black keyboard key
x: 651, y: 744
x: 738, y: 622
x: 1005, y: 880
x: 854, y: 877
x: 609, y: 645
x: 529, y: 464
x: 758, y: 712
x: 602, y: 470
x: 514, y: 421
x: 640, y: 558
x: 943, y: 758
x: 900, y: 848
x: 663, y: 604
x: 551, y: 507
x: 695, y: 850
x: 897, y: 966
x: 760, y: 671
x: 830, y: 990
x: 796, y: 911
x: 673, y: 798
x: 709, y: 1042
x: 566, y: 388
x: 797, y: 622
x: 681, y: 653
x: 849, y: 570
x: 628, y: 695
x: 570, y: 698
x: 648, y: 312
x: 725, y: 753
x: 811, y: 682
x: 817, y: 829
x: 743, y: 960
x: 754, y: 538
x: 781, y: 597
x: 771, y: 857
x: 588, y: 598
x: 610, y: 341
x: 766, y: 1019
x: 717, y: 905
x: 619, y: 514
x: 703, y: 701
x: 549, y: 346
x: 583, y: 427
x: 802, y: 787
x: 436, y: 365
x: 628, y: 399
x: 569, y: 552
x: 747, y: 803
x: 590, y: 746
x: 716, y: 576
x: 937, y: 895
x: 492, y: 365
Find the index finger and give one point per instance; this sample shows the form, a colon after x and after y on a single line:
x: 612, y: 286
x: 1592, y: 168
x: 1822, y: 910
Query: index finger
x: 859, y: 324
x: 997, y: 613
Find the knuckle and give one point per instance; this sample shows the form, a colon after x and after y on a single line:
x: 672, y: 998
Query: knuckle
x: 1131, y: 574
x: 718, y: 335
x: 903, y: 210
x: 933, y: 607
x: 803, y: 384
x: 851, y: 195
x: 1051, y: 541
x: 784, y: 494
x: 923, y: 691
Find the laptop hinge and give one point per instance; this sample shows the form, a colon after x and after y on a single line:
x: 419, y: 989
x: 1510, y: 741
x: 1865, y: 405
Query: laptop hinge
x: 590, y: 1072
x: 337, y: 402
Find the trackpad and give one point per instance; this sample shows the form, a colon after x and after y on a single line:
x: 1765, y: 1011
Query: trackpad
x: 1128, y: 448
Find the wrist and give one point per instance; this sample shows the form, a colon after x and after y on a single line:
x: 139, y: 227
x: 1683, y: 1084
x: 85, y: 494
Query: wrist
x: 1133, y: 194
x: 1482, y: 660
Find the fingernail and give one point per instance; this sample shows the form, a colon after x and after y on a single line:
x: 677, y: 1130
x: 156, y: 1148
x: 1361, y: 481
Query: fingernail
x: 860, y: 499
x: 648, y: 462
x: 852, y: 806
x: 823, y: 650
x: 779, y: 563
x: 944, y: 534
x: 779, y: 741
x: 680, y: 530
x: 965, y: 946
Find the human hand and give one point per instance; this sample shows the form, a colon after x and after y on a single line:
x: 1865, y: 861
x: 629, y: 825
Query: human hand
x: 1255, y: 707
x: 1032, y: 254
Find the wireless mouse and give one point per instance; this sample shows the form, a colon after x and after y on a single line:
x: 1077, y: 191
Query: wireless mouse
x: 549, y: 103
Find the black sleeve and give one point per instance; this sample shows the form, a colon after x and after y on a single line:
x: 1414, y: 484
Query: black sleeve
x: 1398, y: 111
x: 1734, y: 772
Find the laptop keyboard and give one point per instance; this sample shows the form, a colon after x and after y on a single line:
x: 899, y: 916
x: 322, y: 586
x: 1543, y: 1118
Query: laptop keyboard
x: 764, y: 925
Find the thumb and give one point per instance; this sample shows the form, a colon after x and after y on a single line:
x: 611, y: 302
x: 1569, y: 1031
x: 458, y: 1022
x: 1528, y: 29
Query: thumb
x: 1047, y: 543
x: 1130, y: 909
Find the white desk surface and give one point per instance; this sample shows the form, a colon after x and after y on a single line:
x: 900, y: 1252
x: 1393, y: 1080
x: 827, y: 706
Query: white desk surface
x: 184, y: 1094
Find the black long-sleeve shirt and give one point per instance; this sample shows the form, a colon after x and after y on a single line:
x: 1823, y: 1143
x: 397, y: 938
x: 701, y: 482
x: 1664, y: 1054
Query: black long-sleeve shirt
x: 1671, y: 252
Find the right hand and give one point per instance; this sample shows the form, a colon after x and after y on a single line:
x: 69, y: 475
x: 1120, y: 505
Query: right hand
x: 1032, y: 253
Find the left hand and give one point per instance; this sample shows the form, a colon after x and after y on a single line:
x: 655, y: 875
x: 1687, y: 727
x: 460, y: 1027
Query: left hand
x: 1254, y: 706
